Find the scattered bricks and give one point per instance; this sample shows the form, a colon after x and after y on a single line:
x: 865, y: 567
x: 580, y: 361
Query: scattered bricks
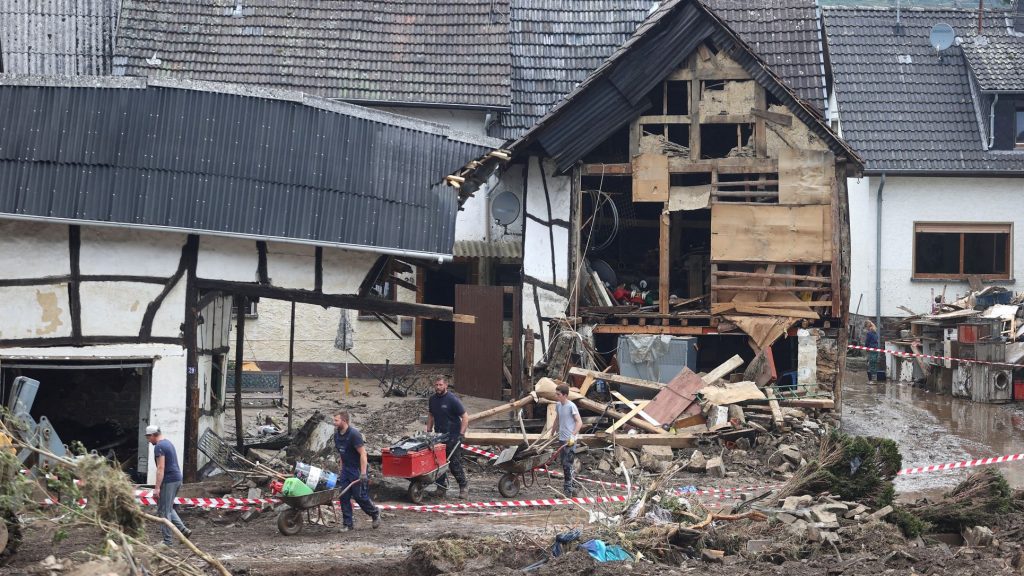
x: 811, y: 425
x: 255, y: 493
x: 736, y: 414
x: 785, y: 518
x: 796, y: 502
x: 744, y: 496
x: 784, y: 468
x: 852, y: 514
x: 978, y: 536
x: 604, y: 466
x: 813, y: 533
x: 792, y: 455
x: 697, y: 463
x: 820, y: 514
x: 827, y: 525
x: 836, y: 507
x: 879, y: 514
x: 755, y: 546
x: 832, y: 537
x: 715, y: 467
x: 655, y: 458
x: 798, y: 528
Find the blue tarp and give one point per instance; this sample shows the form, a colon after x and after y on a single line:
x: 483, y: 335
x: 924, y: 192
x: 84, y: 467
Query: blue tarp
x: 604, y: 553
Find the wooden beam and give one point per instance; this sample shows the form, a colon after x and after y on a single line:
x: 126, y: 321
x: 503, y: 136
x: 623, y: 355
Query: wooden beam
x: 773, y: 117
x: 760, y: 130
x: 724, y: 307
x: 627, y: 417
x: 816, y: 403
x: 694, y: 94
x: 665, y: 119
x: 678, y: 165
x: 588, y: 381
x: 773, y: 276
x: 680, y: 440
x: 763, y: 294
x: 616, y: 379
x: 510, y: 407
x: 664, y: 262
x: 727, y: 119
x: 723, y: 370
x: 753, y: 308
x: 774, y: 405
x: 731, y: 288
x: 606, y: 169
x: 630, y: 404
x: 670, y: 330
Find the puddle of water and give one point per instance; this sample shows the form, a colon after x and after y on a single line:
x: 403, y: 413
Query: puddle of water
x: 933, y: 429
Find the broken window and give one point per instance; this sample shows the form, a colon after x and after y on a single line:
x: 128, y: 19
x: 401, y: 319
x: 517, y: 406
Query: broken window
x: 726, y: 140
x: 960, y: 250
x: 250, y: 310
x: 383, y: 290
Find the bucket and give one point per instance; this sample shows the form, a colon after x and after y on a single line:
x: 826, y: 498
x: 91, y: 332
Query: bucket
x: 317, y: 479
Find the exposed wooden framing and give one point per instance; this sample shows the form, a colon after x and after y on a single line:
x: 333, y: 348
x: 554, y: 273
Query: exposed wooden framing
x: 720, y: 73
x: 347, y: 301
x: 759, y: 182
x: 291, y: 369
x: 239, y: 304
x: 517, y: 341
x: 403, y: 283
x: 509, y: 407
x: 190, y: 260
x: 668, y: 330
x: 664, y: 262
x: 686, y: 166
x: 773, y: 276
x: 88, y: 341
x: 678, y: 440
x: 694, y: 93
x: 418, y: 346
x: 261, y: 263
x: 773, y: 117
x: 616, y: 379
x: 760, y: 130
x: 793, y: 312
x: 74, y: 285
x: 723, y: 307
x: 66, y: 278
x: 751, y: 194
x: 769, y: 270
x: 627, y: 417
x: 318, y: 269
x: 665, y: 119
x: 731, y: 288
x: 727, y: 119
x: 713, y: 285
x: 610, y: 169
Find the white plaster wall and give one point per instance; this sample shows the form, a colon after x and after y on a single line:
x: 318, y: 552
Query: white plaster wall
x: 469, y: 121
x: 167, y: 399
x: 116, y: 308
x: 551, y: 305
x: 171, y: 314
x: 538, y: 248
x: 344, y: 270
x: 231, y: 259
x: 906, y: 200
x: 291, y: 265
x: 266, y: 337
x: 34, y: 311
x: 474, y: 221
x: 129, y: 252
x: 216, y: 326
x: 33, y: 250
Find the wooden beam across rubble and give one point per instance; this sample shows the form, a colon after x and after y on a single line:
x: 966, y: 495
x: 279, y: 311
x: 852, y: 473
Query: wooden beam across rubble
x: 627, y: 440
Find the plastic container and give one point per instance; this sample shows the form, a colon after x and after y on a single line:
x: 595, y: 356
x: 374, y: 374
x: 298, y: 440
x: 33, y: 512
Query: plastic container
x: 317, y: 479
x: 412, y: 464
x: 983, y: 301
x: 1018, y: 388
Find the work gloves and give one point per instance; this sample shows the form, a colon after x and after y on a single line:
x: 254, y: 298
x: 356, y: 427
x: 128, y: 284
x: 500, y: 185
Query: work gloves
x: 572, y: 440
x: 365, y: 480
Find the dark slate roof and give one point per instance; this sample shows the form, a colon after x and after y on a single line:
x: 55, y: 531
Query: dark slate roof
x: 901, y: 106
x: 216, y: 159
x: 997, y: 61
x: 558, y: 43
x: 57, y: 37
x: 615, y: 92
x: 453, y: 52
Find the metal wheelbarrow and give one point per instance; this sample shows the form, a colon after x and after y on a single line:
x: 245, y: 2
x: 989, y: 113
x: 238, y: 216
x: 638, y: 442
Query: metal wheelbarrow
x: 290, y: 519
x: 516, y: 463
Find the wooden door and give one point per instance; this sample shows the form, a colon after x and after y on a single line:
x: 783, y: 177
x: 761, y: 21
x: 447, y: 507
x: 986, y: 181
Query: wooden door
x: 478, y: 346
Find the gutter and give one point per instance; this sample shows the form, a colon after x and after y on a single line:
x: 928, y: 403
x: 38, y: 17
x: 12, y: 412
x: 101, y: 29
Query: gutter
x: 878, y: 258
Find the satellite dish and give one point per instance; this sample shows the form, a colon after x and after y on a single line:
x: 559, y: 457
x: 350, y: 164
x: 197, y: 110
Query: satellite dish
x: 505, y: 208
x: 941, y: 36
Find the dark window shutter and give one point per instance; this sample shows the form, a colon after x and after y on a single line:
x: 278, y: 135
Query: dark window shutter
x: 1004, y: 126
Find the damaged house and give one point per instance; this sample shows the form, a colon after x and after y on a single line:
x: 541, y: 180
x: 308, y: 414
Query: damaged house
x: 686, y: 204
x: 134, y: 213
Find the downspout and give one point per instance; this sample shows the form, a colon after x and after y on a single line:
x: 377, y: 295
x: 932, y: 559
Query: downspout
x: 878, y: 258
x: 992, y: 121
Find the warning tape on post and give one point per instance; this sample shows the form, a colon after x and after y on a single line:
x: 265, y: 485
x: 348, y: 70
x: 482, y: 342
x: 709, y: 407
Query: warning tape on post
x: 931, y: 356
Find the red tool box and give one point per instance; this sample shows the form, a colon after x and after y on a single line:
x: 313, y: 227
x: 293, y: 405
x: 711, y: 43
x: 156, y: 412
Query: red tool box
x: 412, y: 464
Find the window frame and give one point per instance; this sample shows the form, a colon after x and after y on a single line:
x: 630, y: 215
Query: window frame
x: 251, y: 313
x: 1018, y: 127
x: 963, y: 228
x: 392, y: 296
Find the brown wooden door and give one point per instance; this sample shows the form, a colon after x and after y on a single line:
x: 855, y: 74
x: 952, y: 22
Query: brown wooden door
x: 478, y: 346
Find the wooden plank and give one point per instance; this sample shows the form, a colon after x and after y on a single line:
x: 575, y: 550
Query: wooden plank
x: 665, y: 119
x: 763, y: 295
x: 773, y: 276
x: 752, y: 308
x: 773, y: 117
x: 650, y: 178
x: 607, y: 169
x: 669, y: 330
x: 695, y: 88
x: 770, y: 233
x: 464, y: 318
x: 774, y: 405
x: 616, y: 379
x: 679, y: 440
x: 549, y: 420
x: 627, y: 417
x: 741, y: 288
x: 806, y: 176
x: 741, y: 165
x: 511, y: 406
x: 630, y: 404
x: 600, y: 408
x: 587, y: 383
x: 723, y: 370
x: 818, y: 403
x: 676, y: 397
x: 663, y: 262
x: 727, y: 119
x: 726, y: 306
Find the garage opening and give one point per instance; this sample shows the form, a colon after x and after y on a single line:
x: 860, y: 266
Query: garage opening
x: 97, y: 403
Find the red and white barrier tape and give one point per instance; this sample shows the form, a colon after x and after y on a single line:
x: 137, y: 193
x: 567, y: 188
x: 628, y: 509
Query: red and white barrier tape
x: 516, y: 503
x: 933, y: 357
x: 554, y: 473
x: 961, y: 464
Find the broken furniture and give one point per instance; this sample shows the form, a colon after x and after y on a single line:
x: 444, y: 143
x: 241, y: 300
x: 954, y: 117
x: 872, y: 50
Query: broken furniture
x: 258, y: 387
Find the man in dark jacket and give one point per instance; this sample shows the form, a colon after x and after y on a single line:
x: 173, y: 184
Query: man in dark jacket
x: 348, y: 441
x: 448, y: 416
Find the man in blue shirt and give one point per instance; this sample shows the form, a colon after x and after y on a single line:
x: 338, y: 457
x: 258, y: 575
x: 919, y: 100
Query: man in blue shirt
x: 348, y: 441
x: 447, y: 416
x: 168, y: 481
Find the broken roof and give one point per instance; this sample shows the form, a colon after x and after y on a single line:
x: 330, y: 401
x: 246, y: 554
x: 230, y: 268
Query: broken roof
x: 195, y: 157
x: 556, y: 44
x: 414, y: 51
x: 901, y: 105
x: 57, y: 37
x: 615, y: 92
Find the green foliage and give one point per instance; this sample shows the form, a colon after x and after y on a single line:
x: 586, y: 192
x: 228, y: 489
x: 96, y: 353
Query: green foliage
x: 908, y: 522
x: 866, y: 469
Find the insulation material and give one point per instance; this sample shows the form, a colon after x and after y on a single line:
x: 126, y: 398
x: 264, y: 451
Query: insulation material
x: 650, y: 178
x: 771, y: 233
x: 659, y: 144
x: 689, y: 197
x: 797, y: 136
x: 806, y: 176
x: 763, y: 330
x: 735, y: 97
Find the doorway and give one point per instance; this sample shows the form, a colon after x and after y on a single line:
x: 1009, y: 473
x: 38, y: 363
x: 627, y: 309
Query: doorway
x: 437, y: 338
x: 101, y: 404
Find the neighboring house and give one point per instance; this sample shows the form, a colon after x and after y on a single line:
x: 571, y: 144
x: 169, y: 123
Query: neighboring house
x: 730, y: 191
x: 942, y: 136
x: 133, y: 211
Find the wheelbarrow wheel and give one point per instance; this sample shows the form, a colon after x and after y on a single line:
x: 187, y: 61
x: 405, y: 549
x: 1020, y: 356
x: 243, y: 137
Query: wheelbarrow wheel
x: 416, y: 488
x: 289, y: 521
x: 508, y: 485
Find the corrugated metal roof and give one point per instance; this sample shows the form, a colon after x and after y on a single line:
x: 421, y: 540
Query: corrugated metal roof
x: 614, y: 93
x: 901, y: 106
x: 556, y: 44
x: 413, y: 51
x: 57, y: 37
x: 223, y: 160
x: 505, y: 250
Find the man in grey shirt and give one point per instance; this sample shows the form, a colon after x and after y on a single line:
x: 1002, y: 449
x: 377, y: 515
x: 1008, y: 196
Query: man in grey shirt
x: 568, y: 424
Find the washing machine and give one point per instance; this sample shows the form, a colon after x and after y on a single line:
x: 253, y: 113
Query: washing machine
x: 991, y: 384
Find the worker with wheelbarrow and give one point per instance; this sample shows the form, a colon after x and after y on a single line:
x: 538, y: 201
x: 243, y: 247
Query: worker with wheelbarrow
x: 568, y: 423
x: 348, y: 441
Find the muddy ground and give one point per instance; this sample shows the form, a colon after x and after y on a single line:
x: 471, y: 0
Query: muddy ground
x: 420, y: 543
